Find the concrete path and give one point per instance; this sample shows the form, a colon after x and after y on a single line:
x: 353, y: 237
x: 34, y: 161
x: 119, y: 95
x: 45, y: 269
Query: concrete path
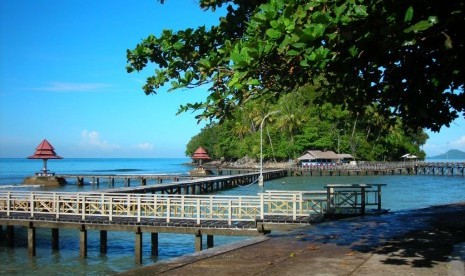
x: 428, y: 241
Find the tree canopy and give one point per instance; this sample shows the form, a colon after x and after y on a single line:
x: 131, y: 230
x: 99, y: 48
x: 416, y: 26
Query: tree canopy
x: 405, y: 57
x: 300, y: 125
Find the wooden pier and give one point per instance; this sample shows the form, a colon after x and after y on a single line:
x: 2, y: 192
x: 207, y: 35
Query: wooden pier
x: 144, y: 179
x: 382, y: 168
x: 200, y: 215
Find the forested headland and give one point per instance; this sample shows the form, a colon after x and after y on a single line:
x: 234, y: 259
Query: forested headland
x: 299, y: 124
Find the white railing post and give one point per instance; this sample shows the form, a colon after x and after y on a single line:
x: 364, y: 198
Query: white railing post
x: 198, y: 211
x: 239, y: 208
x: 230, y: 212
x: 8, y: 203
x: 56, y: 205
x: 128, y: 205
x: 31, y: 204
x: 110, y: 199
x: 138, y: 209
x: 262, y: 207
x: 294, y: 207
x: 102, y: 204
x: 211, y: 207
x: 168, y: 209
x: 155, y: 205
x: 83, y: 206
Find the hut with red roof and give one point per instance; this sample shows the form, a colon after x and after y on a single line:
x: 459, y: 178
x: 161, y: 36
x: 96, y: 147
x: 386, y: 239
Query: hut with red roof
x: 44, y: 151
x: 199, y: 155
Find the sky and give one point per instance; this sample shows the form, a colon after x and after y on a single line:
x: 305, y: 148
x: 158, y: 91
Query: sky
x: 63, y: 78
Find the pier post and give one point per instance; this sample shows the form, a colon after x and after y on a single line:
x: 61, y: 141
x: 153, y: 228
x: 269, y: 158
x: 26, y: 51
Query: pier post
x: 143, y: 181
x: 379, y: 197
x: 31, y: 240
x: 103, y: 241
x: 83, y: 242
x: 362, y: 192
x: 198, y: 242
x: 55, y: 238
x: 154, y: 244
x: 209, y: 241
x: 80, y: 181
x: 138, y: 246
x: 10, y: 235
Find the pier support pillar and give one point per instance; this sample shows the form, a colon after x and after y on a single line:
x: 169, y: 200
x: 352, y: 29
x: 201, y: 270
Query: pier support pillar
x: 83, y: 242
x: 209, y: 241
x: 198, y: 242
x: 138, y: 247
x: 31, y: 240
x: 363, y: 201
x: 55, y: 238
x: 154, y: 242
x: 10, y: 235
x: 103, y: 241
x: 143, y: 182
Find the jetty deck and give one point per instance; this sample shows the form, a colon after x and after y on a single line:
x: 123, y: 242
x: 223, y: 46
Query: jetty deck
x: 381, y: 168
x: 184, y: 214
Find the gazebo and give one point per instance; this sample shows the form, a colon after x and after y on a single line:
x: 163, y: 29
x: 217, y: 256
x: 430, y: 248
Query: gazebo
x: 199, y: 155
x: 45, y: 151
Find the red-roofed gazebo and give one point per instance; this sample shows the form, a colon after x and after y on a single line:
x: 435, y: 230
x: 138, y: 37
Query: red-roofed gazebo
x: 200, y: 154
x: 45, y: 151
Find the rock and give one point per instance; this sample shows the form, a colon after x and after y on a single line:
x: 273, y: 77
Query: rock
x: 44, y: 180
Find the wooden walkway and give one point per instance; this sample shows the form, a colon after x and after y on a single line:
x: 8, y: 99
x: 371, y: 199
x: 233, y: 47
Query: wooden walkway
x: 382, y: 168
x: 188, y: 214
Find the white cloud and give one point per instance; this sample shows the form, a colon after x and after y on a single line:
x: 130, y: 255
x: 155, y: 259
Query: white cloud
x: 72, y: 87
x: 458, y: 144
x: 92, y: 138
x: 436, y: 149
x: 144, y: 146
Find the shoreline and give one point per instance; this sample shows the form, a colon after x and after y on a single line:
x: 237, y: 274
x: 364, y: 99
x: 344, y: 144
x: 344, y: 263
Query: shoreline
x: 426, y: 241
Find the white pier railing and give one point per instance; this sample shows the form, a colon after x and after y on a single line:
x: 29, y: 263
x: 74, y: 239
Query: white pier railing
x: 167, y: 207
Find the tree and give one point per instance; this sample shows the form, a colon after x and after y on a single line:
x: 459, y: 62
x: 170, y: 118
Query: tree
x: 405, y: 56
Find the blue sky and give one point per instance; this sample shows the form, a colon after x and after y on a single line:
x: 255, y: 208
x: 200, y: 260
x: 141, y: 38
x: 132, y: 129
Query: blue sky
x: 63, y: 78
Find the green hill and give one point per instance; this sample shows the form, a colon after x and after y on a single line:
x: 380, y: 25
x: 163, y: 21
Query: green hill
x: 451, y: 154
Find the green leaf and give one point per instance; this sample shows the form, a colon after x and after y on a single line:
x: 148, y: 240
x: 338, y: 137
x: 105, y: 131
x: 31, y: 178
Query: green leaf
x: 353, y: 51
x: 299, y: 45
x: 178, y: 45
x: 422, y: 25
x: 293, y: 53
x: 304, y: 63
x: 253, y: 82
x: 360, y: 10
x: 408, y: 14
x: 236, y: 57
x: 273, y: 34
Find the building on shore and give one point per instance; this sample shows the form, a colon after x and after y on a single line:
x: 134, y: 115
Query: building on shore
x: 318, y: 157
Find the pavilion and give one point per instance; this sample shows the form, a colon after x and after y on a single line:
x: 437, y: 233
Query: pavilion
x: 199, y: 155
x: 45, y: 151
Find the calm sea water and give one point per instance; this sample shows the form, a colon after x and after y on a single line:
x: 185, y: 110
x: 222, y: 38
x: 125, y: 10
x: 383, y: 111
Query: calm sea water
x: 402, y: 193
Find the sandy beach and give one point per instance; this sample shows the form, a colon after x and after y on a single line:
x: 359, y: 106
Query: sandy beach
x: 429, y: 241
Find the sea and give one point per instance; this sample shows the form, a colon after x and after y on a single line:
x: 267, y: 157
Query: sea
x: 402, y: 194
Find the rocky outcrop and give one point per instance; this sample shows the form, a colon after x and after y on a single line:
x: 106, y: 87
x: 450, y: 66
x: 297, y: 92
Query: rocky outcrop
x: 44, y: 180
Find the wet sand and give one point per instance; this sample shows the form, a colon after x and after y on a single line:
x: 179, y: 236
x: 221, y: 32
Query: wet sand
x: 428, y: 241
